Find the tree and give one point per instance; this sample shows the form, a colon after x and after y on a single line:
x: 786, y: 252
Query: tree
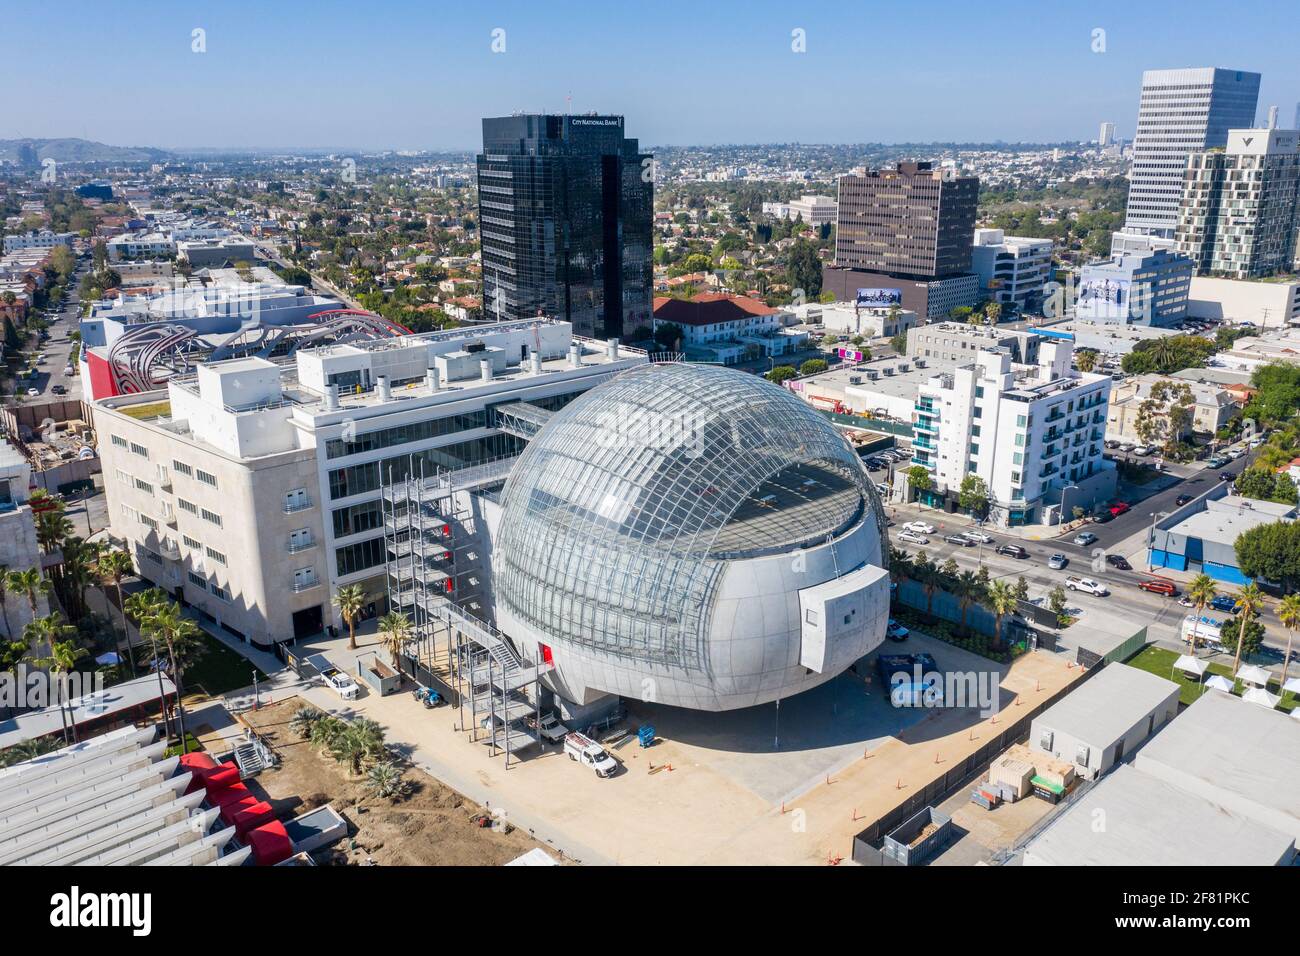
x: 356, y: 742
x: 4, y: 599
x: 29, y: 583
x: 781, y: 373
x: 1201, y: 592
x: 1056, y: 603
x: 993, y: 311
x: 397, y: 631
x: 968, y: 590
x: 804, y: 269
x: 919, y: 480
x: 62, y: 658
x: 177, y: 645
x: 1021, y: 588
x: 112, y: 567
x: 900, y: 564
x: 1288, y: 613
x: 974, y: 495
x: 1085, y: 360
x: 350, y: 599
x: 1003, y: 602
x: 1242, y: 635
x: 899, y: 343
x: 1249, y: 601
x: 1271, y: 552
x: 813, y: 367
x: 385, y: 780
x: 925, y: 573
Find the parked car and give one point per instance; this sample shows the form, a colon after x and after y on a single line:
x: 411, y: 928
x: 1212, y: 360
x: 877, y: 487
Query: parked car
x: 1101, y: 517
x: 586, y: 751
x: 1159, y: 587
x: 1012, y: 551
x: 1057, y: 562
x: 1223, y: 602
x: 1084, y: 538
x: 920, y: 527
x: 1228, y: 476
x: 912, y: 537
x: 1087, y: 585
x: 1119, y: 507
x: 1235, y: 453
x: 1118, y: 561
x: 882, y: 488
x: 59, y: 389
x: 979, y: 537
x: 1143, y: 450
x: 959, y: 539
x: 1127, y: 446
x: 549, y: 727
x: 1182, y: 500
x: 895, y: 631
x: 1215, y: 462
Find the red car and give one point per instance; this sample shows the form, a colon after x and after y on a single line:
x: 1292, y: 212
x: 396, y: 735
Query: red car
x: 1159, y: 587
x: 1118, y: 508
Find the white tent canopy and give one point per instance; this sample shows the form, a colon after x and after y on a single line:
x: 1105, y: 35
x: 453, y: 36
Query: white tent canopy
x: 1251, y: 674
x: 1293, y: 685
x: 1257, y: 695
x: 1191, y: 665
x: 1218, y: 682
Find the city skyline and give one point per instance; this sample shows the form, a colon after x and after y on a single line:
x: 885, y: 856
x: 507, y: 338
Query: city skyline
x: 363, y: 85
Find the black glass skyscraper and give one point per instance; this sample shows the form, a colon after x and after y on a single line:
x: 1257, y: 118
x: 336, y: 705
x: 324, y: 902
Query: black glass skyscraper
x: 566, y: 205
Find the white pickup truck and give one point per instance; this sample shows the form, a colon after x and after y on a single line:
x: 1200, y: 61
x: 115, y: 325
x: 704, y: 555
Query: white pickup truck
x: 586, y: 751
x: 340, y: 682
x: 1087, y: 585
x: 550, y: 728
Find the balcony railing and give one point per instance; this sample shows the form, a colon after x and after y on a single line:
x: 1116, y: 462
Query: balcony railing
x: 299, y: 585
x: 300, y: 545
x: 293, y: 507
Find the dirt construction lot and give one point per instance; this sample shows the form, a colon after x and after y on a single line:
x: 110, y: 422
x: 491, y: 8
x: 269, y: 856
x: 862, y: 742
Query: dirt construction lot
x: 431, y: 827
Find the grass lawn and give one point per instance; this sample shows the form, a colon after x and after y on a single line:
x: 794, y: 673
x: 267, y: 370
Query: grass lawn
x: 151, y: 410
x: 220, y: 670
x: 1159, y: 661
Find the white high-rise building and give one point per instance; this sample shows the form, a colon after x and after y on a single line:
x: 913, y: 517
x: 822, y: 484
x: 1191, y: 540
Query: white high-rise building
x: 1013, y: 270
x: 1181, y: 112
x: 1033, y: 433
x: 1107, y: 135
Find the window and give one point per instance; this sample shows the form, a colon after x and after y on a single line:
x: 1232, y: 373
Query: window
x: 211, y: 516
x: 216, y: 555
x: 189, y: 506
x: 153, y: 556
x: 206, y: 477
x: 220, y: 593
x: 357, y: 557
x: 139, y: 450
x: 149, y: 522
x: 197, y: 580
x: 182, y: 468
x: 144, y: 486
x: 355, y: 519
x: 296, y: 500
x: 120, y: 442
x: 191, y: 543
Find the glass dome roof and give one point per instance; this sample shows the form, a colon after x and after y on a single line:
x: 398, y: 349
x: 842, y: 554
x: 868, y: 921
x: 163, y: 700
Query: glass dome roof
x: 623, y: 510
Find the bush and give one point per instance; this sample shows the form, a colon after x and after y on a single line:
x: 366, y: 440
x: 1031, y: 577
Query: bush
x: 385, y: 779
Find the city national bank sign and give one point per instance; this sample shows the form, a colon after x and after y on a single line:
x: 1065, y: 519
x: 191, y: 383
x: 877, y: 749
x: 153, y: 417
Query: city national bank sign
x: 595, y: 121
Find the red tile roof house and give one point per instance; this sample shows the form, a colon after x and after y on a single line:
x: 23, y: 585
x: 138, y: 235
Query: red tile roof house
x: 727, y: 327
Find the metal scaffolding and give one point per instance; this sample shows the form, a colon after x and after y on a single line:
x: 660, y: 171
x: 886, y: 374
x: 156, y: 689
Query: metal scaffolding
x: 434, y: 577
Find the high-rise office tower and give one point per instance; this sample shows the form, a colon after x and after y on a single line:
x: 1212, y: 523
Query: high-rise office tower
x: 1272, y: 117
x: 909, y: 229
x: 1107, y: 135
x: 1238, y: 216
x: 1181, y: 111
x: 566, y: 205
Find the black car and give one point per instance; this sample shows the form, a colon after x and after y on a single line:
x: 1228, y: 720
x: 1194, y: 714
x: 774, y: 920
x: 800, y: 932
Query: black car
x: 960, y: 539
x: 1012, y: 551
x: 1227, y: 476
x: 1101, y: 517
x: 1118, y: 561
x: 1182, y: 500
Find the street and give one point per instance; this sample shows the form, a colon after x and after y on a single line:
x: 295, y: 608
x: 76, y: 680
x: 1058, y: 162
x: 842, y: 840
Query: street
x: 56, y: 349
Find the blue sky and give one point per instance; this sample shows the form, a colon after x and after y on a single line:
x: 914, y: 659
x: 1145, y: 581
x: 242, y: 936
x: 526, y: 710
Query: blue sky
x: 421, y: 73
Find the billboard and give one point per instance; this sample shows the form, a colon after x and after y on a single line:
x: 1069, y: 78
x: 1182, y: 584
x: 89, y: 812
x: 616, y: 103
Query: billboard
x: 1104, y: 294
x: 851, y: 355
x: 875, y: 298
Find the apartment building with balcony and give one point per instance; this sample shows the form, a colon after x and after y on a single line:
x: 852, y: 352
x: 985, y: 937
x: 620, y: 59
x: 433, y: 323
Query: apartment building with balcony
x: 1013, y: 270
x: 251, y: 490
x: 1033, y: 433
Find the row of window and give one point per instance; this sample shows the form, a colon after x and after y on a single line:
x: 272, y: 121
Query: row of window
x: 358, y: 479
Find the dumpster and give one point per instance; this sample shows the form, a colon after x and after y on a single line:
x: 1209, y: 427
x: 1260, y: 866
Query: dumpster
x: 918, y: 837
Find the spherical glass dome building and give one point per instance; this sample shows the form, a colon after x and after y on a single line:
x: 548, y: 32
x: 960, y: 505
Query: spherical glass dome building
x: 676, y: 535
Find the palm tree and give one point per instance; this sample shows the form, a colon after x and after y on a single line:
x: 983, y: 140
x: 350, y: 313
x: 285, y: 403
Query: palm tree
x: 1202, y: 592
x: 4, y: 597
x: 30, y: 583
x: 52, y: 529
x: 111, y: 567
x: 358, y: 741
x: 143, y: 606
x: 180, y: 636
x: 968, y: 589
x: 1288, y: 612
x: 1249, y: 600
x: 397, y: 631
x: 350, y: 599
x: 27, y: 750
x: 1002, y: 597
x: 900, y: 564
x: 63, y: 655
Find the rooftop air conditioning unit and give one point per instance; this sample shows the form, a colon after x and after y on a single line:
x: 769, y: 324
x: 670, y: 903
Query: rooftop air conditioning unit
x: 855, y: 379
x: 920, y: 363
x: 903, y: 367
x: 889, y: 370
x: 873, y: 374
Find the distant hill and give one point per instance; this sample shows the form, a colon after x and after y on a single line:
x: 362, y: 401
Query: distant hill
x: 80, y: 151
